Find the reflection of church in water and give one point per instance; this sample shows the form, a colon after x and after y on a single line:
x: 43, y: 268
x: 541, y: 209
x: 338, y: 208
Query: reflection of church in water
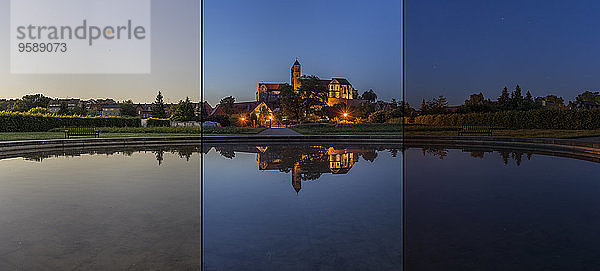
x: 304, y: 163
x: 311, y: 164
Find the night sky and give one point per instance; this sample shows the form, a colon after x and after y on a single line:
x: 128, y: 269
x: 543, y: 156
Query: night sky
x: 251, y: 41
x: 456, y: 48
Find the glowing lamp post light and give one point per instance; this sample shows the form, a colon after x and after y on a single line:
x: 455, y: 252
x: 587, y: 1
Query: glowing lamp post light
x: 270, y: 121
x: 345, y: 115
x: 243, y: 121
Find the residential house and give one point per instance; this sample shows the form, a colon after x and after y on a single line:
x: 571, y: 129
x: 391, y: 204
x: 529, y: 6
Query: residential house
x: 54, y: 105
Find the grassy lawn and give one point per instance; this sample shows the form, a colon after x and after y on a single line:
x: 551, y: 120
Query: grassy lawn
x: 106, y: 132
x: 349, y: 129
x: 59, y: 135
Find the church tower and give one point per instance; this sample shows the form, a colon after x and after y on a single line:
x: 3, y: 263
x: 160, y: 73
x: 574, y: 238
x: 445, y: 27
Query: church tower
x: 297, y: 178
x: 295, y: 77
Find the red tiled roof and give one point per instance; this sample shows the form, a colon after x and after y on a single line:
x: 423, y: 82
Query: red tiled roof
x: 270, y: 86
x: 244, y: 107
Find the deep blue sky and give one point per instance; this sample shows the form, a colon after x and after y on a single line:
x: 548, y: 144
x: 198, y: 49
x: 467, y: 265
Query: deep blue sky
x: 251, y: 41
x: 455, y: 48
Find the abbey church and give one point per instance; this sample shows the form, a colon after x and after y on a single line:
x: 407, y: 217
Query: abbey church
x: 339, y: 89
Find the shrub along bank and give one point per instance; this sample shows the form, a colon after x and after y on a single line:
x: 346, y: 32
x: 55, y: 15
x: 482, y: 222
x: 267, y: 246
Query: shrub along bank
x: 533, y: 119
x: 27, y: 122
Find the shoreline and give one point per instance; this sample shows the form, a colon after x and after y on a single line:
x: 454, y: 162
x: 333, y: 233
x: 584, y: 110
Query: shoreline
x: 574, y: 146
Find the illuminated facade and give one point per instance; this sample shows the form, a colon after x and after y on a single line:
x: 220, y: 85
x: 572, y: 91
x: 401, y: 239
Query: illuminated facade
x: 339, y: 89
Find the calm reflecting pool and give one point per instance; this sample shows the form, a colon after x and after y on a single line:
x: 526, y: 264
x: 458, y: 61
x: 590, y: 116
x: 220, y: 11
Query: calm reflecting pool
x: 116, y: 209
x: 299, y: 207
x: 484, y: 209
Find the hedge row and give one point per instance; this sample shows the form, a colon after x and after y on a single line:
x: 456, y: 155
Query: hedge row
x: 533, y: 119
x: 26, y: 122
x: 152, y: 122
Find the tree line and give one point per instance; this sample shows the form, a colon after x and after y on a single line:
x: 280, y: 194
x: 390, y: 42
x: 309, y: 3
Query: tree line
x: 509, y: 101
x: 38, y: 104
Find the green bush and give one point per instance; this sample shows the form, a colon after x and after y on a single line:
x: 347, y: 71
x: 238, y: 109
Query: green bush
x: 152, y: 130
x: 378, y: 117
x: 153, y: 122
x: 533, y: 119
x: 26, y: 122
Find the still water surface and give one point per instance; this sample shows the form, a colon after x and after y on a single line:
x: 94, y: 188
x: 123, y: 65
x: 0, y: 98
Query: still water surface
x: 302, y: 208
x: 500, y: 210
x: 105, y: 210
x: 299, y: 207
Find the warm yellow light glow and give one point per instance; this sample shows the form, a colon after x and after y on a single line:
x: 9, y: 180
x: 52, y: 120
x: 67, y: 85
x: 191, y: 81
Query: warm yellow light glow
x: 270, y: 117
x: 345, y: 115
x: 243, y: 119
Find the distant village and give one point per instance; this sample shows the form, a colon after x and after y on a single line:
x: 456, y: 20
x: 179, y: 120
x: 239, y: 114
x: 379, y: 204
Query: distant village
x: 91, y: 107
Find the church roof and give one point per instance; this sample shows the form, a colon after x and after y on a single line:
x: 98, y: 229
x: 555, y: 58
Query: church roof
x: 342, y: 81
x: 296, y: 63
x: 270, y: 86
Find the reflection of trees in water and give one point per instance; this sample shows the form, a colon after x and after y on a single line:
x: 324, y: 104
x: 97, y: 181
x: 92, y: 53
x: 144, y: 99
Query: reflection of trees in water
x: 435, y: 151
x: 184, y: 152
x: 159, y: 156
x: 506, y: 155
x: 227, y: 153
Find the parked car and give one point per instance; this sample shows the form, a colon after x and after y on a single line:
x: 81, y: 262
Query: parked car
x: 211, y: 124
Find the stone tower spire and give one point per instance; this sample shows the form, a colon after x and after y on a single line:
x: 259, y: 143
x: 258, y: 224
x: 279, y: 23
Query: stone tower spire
x: 295, y: 75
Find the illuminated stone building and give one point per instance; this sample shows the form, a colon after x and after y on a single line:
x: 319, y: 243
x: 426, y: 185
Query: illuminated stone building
x: 339, y: 89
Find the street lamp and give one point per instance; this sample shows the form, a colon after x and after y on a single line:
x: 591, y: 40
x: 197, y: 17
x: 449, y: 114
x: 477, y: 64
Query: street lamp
x: 270, y: 121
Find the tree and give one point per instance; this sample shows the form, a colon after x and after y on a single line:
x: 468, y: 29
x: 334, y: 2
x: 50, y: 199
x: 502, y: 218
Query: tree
x: 20, y: 106
x: 158, y: 107
x: 363, y: 110
x: 64, y: 109
x: 369, y: 96
x: 553, y: 102
x: 504, y: 99
x: 441, y: 105
x: 378, y: 117
x: 407, y: 110
x: 184, y: 111
x: 290, y: 103
x: 263, y: 116
x: 587, y: 100
x: 313, y: 96
x: 78, y: 110
x: 516, y: 99
x: 37, y: 100
x: 30, y: 101
x: 528, y: 103
x: 227, y: 104
x: 588, y: 96
x: 5, y: 105
x: 127, y: 109
x: 424, y: 110
x: 476, y: 103
x: 436, y: 106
